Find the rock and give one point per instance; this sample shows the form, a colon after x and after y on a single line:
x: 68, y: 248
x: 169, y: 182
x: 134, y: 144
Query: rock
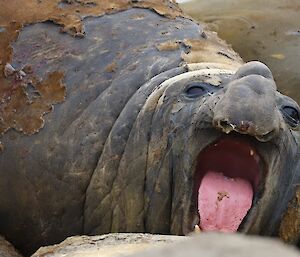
x: 7, y: 250
x: 111, y: 245
x: 146, y: 245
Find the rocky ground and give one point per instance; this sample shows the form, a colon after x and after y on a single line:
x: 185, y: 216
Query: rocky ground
x: 145, y: 245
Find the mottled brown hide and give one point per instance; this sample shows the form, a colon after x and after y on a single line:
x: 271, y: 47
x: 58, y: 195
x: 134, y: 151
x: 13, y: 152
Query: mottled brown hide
x: 289, y: 229
x: 216, y: 51
x: 25, y: 101
x: 146, y: 91
x: 17, y: 109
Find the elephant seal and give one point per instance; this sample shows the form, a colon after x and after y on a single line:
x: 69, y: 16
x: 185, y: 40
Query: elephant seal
x: 151, y: 113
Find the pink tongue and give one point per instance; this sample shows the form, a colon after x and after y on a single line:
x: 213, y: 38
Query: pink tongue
x: 223, y: 202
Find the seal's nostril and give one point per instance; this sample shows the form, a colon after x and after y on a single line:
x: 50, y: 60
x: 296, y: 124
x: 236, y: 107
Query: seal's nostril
x: 224, y: 123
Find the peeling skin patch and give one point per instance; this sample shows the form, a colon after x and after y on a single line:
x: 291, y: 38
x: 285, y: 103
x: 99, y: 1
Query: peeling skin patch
x: 20, y: 111
x: 69, y: 13
x: 289, y: 229
x: 111, y: 67
x: 66, y: 3
x: 25, y: 114
x: 168, y: 46
x: 209, y: 51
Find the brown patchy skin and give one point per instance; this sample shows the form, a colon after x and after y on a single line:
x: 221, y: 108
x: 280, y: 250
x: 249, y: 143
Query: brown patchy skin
x: 17, y: 110
x: 111, y: 67
x: 289, y: 229
x: 20, y: 112
x: 211, y: 50
x: 168, y: 46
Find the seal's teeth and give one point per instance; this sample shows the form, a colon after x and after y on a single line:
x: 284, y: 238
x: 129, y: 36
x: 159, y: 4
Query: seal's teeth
x: 225, y: 126
x: 197, y: 229
x: 251, y: 152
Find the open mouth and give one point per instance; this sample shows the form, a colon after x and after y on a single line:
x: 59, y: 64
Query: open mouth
x: 229, y: 177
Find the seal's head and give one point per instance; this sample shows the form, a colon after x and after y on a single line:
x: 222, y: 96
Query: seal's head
x: 223, y: 153
x: 210, y: 146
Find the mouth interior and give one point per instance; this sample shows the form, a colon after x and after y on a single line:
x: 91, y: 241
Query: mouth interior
x: 227, y: 177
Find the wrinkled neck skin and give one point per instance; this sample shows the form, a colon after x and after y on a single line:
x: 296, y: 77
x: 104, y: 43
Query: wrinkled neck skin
x: 157, y: 185
x: 183, y: 126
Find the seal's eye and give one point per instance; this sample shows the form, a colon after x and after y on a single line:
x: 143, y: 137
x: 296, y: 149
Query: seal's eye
x: 291, y: 115
x: 196, y: 89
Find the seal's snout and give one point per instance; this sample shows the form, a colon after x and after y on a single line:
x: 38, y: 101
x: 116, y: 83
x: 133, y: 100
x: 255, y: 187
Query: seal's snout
x: 248, y: 105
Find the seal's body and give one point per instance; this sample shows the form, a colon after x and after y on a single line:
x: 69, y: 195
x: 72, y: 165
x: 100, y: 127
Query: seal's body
x: 122, y: 151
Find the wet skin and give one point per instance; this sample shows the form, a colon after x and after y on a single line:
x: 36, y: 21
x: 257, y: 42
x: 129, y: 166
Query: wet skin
x: 121, y: 153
